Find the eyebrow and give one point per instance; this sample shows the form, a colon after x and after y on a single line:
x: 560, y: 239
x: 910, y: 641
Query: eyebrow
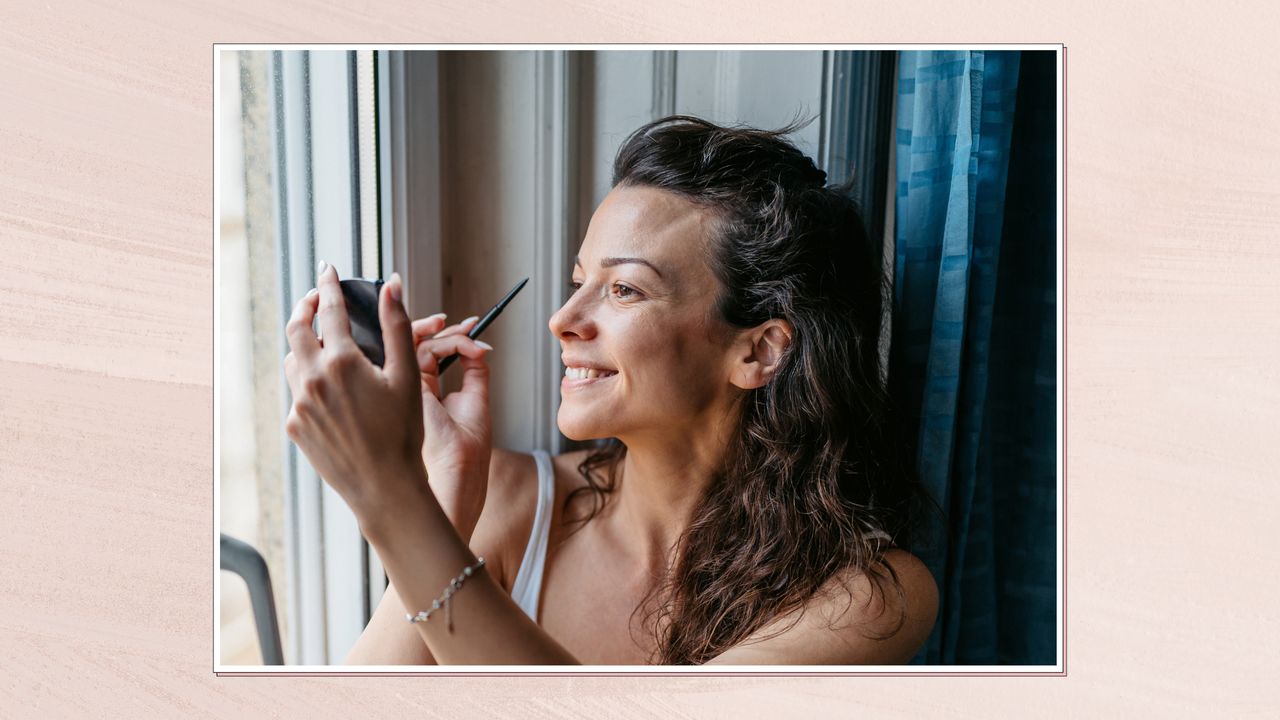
x: 611, y: 261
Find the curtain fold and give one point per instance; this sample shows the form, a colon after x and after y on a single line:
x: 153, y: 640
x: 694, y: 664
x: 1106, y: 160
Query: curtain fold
x: 954, y: 134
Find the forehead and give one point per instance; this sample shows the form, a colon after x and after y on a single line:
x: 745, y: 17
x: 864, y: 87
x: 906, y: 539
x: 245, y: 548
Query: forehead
x: 646, y: 222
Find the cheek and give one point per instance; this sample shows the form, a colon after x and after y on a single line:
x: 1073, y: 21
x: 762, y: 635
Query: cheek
x: 676, y: 369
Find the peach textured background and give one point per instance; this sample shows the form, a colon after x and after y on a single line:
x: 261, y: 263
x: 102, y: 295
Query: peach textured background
x: 106, y: 348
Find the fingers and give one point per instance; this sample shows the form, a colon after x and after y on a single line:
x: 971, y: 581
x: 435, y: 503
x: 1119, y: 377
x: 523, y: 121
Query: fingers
x: 426, y: 327
x: 461, y: 328
x: 475, y: 376
x: 397, y: 334
x: 290, y: 372
x: 302, y: 339
x: 433, y: 326
x: 431, y: 352
x: 475, y: 382
x: 335, y: 327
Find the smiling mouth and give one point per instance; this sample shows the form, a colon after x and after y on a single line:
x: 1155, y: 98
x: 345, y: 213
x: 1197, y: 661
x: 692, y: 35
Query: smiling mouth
x: 573, y: 373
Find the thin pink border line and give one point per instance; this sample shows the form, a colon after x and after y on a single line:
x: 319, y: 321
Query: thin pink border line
x: 1065, y: 345
x: 1064, y: 673
x: 645, y: 674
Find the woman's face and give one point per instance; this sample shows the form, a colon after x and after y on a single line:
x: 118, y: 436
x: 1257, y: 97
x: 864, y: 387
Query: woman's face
x: 646, y: 350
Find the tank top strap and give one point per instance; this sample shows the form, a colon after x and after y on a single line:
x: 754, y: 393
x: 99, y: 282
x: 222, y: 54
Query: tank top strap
x: 528, y: 585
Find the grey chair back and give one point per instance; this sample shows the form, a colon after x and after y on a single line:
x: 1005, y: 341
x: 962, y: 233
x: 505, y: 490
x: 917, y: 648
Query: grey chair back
x: 242, y: 559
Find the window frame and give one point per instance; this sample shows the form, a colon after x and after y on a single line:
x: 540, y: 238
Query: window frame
x: 317, y: 211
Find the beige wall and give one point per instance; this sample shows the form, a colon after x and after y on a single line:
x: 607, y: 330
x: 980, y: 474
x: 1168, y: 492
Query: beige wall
x: 487, y: 216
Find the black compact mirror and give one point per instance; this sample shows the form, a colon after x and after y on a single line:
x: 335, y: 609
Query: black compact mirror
x: 362, y: 309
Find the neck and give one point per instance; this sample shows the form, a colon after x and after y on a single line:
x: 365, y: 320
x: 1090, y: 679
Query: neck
x: 663, y: 480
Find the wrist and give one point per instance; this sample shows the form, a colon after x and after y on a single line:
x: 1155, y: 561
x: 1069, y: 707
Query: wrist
x: 383, y: 514
x: 460, y: 489
x: 461, y: 495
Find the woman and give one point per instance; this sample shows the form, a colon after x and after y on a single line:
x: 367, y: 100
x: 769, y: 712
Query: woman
x: 722, y: 332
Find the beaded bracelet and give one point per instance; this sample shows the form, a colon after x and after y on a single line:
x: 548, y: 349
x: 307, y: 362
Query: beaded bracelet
x: 453, y: 587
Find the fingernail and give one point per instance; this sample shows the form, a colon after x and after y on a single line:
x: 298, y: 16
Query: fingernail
x: 484, y: 344
x: 469, y: 320
x: 312, y: 291
x: 321, y: 267
x: 396, y: 288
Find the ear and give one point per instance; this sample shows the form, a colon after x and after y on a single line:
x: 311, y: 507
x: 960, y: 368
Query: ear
x: 758, y: 353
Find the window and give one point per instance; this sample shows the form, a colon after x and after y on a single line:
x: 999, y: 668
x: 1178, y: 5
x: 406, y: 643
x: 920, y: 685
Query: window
x: 297, y: 183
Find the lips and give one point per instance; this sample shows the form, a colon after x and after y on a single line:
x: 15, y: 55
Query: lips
x: 584, y: 364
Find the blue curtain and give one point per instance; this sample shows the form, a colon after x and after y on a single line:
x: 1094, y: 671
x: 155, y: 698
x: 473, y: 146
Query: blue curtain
x: 974, y: 342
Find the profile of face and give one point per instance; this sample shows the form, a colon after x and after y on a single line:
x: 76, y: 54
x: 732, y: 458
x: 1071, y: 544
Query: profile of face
x: 647, y: 353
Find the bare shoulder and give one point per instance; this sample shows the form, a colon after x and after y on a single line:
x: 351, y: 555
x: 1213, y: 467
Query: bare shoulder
x: 853, y: 620
x: 907, y: 609
x: 510, y: 505
x: 507, y: 518
x: 511, y: 471
x: 513, y: 481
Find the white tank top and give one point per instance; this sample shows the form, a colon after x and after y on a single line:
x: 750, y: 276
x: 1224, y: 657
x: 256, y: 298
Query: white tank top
x: 528, y: 584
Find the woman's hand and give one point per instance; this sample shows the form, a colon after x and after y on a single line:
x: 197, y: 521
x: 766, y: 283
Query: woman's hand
x: 359, y: 425
x: 458, y: 439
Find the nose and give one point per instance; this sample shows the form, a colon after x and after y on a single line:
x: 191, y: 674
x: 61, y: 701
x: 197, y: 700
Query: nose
x: 573, y: 320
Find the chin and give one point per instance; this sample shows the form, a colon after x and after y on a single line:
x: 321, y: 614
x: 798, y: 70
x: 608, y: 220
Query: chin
x: 578, y: 428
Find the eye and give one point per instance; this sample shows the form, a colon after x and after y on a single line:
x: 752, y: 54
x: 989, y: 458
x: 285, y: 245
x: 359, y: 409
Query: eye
x: 624, y: 292
x: 574, y: 284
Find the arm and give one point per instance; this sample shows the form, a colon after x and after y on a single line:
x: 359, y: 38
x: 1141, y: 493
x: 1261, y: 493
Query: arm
x: 422, y: 553
x: 388, y: 639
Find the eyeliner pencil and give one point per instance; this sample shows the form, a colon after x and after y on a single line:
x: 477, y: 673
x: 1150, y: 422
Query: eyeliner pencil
x: 484, y: 323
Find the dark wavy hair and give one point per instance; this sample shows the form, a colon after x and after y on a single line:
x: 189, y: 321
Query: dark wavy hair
x: 815, y: 478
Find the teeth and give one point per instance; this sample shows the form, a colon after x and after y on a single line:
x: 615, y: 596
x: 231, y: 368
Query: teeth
x: 585, y: 373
